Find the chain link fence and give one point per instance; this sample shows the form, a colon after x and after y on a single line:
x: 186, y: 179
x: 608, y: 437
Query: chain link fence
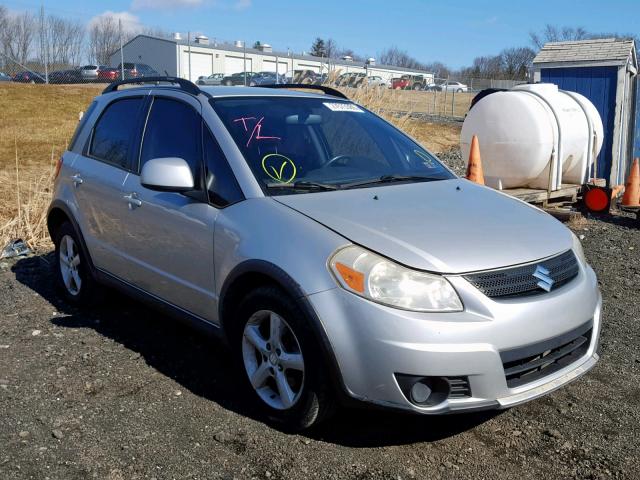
x: 65, y: 52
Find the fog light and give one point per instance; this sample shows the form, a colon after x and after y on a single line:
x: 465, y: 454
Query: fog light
x: 420, y: 392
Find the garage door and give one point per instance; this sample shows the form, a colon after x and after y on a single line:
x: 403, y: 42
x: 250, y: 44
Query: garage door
x: 201, y: 65
x: 313, y: 68
x: 270, y: 66
x: 235, y: 65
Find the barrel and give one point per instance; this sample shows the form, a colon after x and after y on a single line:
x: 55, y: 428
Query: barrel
x: 534, y: 136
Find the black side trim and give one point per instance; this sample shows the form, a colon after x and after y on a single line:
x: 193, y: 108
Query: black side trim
x: 327, y: 90
x: 290, y: 286
x: 160, y: 305
x: 60, y: 205
x: 184, y: 84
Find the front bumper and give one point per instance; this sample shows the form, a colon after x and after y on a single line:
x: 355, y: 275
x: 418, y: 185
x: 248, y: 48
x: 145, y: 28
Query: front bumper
x: 372, y: 343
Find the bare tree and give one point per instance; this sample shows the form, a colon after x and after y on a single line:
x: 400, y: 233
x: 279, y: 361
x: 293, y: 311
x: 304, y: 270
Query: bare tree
x: 515, y: 62
x: 17, y: 36
x: 398, y: 58
x: 553, y: 33
x: 330, y: 48
x: 104, y: 39
x: 64, y: 40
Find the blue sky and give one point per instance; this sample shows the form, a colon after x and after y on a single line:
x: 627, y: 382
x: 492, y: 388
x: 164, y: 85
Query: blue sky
x: 451, y: 32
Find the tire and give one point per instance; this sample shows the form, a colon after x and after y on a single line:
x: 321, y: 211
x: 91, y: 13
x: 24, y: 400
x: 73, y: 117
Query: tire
x: 76, y: 283
x: 459, y: 90
x: 265, y: 357
x: 416, y: 86
x: 228, y: 83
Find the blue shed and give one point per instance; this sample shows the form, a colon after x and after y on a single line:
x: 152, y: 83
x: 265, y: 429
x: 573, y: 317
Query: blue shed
x: 604, y: 71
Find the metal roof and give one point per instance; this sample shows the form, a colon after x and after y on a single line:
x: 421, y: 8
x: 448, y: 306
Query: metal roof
x: 228, y: 47
x: 614, y: 50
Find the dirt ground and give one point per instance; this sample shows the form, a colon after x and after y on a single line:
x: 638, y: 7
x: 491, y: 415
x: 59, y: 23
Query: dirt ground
x: 121, y: 392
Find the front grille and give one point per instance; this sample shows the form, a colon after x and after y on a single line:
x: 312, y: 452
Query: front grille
x: 519, y: 281
x: 527, y: 364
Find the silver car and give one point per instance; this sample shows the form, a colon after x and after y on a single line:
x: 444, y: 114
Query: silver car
x: 213, y: 79
x: 340, y: 260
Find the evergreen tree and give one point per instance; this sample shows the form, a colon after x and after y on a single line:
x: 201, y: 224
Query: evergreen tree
x: 318, y: 49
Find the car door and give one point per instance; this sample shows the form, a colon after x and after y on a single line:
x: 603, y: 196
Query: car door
x: 170, y: 235
x: 97, y: 176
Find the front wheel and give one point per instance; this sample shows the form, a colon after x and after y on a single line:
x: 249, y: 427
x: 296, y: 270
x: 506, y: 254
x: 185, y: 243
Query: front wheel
x: 281, y: 361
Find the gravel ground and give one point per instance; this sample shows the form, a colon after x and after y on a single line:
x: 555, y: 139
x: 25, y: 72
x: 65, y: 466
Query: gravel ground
x: 121, y: 392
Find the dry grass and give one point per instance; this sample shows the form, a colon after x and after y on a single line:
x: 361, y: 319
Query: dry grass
x: 37, y: 121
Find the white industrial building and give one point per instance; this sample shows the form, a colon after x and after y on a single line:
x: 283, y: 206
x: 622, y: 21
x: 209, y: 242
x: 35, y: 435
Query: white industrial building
x: 201, y: 57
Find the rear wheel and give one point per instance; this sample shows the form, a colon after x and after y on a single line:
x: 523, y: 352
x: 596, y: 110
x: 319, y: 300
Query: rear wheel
x: 281, y: 362
x: 459, y: 90
x: 71, y: 267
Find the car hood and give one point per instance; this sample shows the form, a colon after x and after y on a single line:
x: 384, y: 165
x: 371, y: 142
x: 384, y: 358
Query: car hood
x: 449, y: 226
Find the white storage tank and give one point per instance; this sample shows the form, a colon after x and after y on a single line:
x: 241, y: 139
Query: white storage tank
x: 525, y: 131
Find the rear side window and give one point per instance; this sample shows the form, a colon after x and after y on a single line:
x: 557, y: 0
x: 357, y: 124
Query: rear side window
x: 113, y: 133
x: 173, y: 130
x: 81, y: 125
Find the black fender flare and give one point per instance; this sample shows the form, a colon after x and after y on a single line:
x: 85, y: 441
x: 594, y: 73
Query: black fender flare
x: 62, y: 206
x: 293, y: 288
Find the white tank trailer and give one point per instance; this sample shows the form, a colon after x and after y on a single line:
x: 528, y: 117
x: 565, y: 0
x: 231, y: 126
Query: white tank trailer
x: 534, y: 136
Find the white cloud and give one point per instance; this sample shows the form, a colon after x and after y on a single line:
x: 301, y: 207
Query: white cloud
x: 129, y: 21
x: 164, y: 4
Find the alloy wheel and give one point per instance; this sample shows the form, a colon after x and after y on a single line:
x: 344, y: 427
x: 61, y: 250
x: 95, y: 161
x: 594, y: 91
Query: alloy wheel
x: 70, y: 264
x: 273, y: 359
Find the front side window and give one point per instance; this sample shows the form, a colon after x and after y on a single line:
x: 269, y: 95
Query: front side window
x: 173, y: 130
x: 113, y: 133
x: 303, y: 140
x: 222, y: 187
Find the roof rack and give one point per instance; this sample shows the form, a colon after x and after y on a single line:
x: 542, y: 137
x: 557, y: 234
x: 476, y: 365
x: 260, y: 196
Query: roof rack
x: 186, y: 85
x: 327, y: 90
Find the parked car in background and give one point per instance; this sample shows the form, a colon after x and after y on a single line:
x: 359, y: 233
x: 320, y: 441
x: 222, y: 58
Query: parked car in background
x: 376, y: 81
x: 454, y: 87
x: 351, y: 79
x: 73, y: 75
x: 109, y: 74
x: 302, y: 76
x: 90, y: 72
x: 238, y: 78
x: 213, y: 79
x: 409, y: 82
x: 29, y: 77
x: 337, y: 258
x: 135, y: 70
x: 266, y: 78
x: 4, y: 77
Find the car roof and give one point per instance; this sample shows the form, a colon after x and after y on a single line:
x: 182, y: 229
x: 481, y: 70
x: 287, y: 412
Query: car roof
x: 224, y: 91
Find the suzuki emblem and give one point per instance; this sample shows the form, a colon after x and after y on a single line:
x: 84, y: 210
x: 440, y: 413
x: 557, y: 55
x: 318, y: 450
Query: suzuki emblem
x: 545, y: 281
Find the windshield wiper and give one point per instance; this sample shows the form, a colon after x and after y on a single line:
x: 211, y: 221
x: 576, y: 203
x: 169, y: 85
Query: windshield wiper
x: 302, y: 185
x: 391, y: 179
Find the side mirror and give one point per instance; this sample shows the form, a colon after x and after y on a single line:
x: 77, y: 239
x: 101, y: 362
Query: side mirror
x: 170, y: 174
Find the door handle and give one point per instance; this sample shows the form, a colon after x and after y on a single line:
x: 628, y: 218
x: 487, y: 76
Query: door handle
x: 133, y: 200
x: 76, y: 179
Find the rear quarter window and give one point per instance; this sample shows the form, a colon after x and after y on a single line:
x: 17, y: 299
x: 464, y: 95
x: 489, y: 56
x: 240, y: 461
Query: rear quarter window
x: 73, y: 144
x: 114, y: 131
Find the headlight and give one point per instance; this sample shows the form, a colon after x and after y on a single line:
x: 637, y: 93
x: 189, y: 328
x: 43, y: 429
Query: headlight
x: 577, y: 249
x: 380, y: 280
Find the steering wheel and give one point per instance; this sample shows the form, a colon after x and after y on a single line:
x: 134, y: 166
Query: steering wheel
x: 335, y: 160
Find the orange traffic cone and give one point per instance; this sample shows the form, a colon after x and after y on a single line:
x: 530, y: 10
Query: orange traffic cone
x: 631, y: 197
x: 474, y: 168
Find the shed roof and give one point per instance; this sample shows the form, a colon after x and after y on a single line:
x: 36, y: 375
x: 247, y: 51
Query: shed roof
x: 613, y: 50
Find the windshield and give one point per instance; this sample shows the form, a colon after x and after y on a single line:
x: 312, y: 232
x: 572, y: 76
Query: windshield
x: 296, y: 142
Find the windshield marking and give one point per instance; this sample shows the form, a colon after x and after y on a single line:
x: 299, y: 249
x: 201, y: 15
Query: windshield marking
x: 278, y: 173
x: 244, y: 121
x: 256, y: 133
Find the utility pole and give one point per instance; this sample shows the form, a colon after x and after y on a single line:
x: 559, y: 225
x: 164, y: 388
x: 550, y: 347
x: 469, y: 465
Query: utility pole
x: 189, y: 52
x: 121, y: 52
x: 244, y: 47
x: 43, y: 45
